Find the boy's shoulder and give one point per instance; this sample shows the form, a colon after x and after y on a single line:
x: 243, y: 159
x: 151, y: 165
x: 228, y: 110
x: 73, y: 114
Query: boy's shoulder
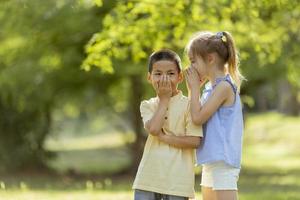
x: 179, y: 100
x: 178, y: 106
x: 148, y: 103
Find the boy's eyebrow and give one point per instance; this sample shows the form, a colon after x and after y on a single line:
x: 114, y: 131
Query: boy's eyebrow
x: 156, y: 70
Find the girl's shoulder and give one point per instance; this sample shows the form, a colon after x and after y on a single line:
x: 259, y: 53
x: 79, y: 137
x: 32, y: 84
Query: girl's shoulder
x: 225, y: 82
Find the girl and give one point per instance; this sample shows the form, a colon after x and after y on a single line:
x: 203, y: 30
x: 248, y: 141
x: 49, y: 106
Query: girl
x: 214, y: 58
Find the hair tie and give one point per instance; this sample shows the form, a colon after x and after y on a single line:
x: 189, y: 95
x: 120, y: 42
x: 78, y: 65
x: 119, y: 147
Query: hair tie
x: 220, y: 35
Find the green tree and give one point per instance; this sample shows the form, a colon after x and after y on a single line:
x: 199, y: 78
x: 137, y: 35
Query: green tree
x: 41, y: 49
x: 133, y: 29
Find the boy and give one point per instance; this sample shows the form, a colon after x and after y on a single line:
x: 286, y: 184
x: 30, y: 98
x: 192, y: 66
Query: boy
x: 166, y: 170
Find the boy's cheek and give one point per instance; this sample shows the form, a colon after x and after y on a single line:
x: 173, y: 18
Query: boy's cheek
x: 155, y: 79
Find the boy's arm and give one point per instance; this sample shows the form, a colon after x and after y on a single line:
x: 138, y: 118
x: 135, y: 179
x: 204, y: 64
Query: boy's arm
x: 182, y: 142
x: 155, y: 124
x: 164, y: 92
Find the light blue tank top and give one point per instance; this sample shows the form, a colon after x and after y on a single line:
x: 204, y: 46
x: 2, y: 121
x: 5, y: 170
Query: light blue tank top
x: 222, y: 133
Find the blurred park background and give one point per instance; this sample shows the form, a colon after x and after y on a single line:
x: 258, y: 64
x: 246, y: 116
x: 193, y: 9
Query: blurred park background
x: 73, y: 72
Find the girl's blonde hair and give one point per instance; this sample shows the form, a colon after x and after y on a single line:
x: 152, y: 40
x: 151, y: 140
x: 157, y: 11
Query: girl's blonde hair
x: 204, y: 43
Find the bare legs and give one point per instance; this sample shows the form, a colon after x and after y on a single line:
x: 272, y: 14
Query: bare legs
x: 209, y: 194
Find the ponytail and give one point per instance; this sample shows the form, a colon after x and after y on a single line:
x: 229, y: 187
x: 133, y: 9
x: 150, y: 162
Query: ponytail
x: 233, y: 59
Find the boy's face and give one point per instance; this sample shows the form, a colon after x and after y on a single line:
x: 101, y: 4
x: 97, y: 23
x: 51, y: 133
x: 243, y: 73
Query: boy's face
x: 168, y: 68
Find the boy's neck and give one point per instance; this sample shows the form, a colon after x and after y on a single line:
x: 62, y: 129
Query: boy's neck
x: 174, y: 93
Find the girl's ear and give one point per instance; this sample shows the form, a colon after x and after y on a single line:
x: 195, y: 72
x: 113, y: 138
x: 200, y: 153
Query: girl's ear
x: 210, y: 58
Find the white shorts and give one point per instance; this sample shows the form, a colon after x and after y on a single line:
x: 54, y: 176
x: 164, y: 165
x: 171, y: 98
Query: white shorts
x: 220, y: 176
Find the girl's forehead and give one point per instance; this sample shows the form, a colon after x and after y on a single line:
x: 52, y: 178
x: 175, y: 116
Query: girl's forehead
x: 190, y: 55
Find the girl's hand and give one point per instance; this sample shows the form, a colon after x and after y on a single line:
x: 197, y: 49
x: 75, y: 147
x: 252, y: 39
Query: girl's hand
x: 164, y: 88
x: 192, y: 79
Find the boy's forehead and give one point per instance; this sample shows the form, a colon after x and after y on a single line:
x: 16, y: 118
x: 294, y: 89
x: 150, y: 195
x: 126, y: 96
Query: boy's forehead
x: 164, y: 65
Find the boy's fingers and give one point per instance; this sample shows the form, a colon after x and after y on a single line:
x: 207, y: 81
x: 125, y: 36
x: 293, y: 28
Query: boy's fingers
x: 161, y: 81
x: 169, y: 82
x: 166, y: 80
x: 157, y: 85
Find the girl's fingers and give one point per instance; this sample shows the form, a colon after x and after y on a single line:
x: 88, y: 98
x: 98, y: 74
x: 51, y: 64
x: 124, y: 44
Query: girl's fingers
x: 184, y: 74
x: 193, y: 71
x: 187, y: 72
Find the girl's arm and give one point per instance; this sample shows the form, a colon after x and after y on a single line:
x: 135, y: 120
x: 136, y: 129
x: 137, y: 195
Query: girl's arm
x: 201, y: 113
x: 182, y: 142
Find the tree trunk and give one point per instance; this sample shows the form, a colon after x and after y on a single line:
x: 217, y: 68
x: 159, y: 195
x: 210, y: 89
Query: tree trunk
x: 287, y: 98
x: 135, y: 99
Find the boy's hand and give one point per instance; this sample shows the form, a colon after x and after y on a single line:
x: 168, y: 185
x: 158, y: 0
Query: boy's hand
x: 163, y: 88
x: 161, y: 135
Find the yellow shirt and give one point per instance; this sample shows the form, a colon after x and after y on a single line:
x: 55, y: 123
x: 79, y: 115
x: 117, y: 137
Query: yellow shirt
x: 166, y: 169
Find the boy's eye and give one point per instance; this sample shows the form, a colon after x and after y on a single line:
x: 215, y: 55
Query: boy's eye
x: 157, y: 74
x: 171, y: 73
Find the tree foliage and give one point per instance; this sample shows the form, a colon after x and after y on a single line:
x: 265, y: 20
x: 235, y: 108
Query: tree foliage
x: 41, y: 49
x: 266, y: 33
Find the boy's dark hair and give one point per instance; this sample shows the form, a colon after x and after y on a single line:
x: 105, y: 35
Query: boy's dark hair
x: 164, y: 54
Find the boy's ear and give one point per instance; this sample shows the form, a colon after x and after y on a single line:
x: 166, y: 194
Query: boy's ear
x: 180, y: 77
x: 149, y: 77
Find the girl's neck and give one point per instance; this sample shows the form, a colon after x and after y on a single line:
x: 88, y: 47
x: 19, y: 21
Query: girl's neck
x: 215, y: 74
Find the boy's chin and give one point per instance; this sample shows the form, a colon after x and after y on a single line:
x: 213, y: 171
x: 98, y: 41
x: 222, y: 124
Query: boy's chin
x: 174, y: 92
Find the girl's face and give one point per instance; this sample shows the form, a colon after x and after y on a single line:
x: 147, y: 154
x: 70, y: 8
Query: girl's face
x: 199, y: 65
x: 168, y: 68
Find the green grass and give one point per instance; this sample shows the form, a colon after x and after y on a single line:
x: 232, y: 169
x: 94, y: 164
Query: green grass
x: 271, y: 166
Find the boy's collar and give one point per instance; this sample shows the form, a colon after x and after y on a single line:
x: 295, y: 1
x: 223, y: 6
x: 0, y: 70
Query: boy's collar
x: 176, y: 97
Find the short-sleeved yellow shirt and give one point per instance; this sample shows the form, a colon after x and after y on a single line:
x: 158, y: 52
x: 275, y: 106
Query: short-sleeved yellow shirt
x: 166, y: 169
